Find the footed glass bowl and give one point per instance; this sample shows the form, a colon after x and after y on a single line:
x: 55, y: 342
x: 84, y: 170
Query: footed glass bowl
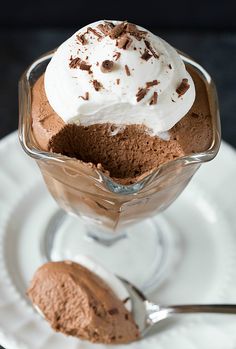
x: 103, y: 218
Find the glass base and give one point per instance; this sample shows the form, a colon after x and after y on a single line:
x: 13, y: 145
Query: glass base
x: 142, y: 254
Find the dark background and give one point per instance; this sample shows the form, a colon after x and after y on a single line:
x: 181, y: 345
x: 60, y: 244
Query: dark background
x: 206, y: 30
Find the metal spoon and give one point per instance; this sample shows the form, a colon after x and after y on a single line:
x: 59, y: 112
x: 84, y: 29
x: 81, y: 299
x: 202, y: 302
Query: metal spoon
x: 146, y: 314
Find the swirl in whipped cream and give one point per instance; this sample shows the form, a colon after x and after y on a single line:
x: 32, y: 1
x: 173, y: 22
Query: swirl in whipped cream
x: 117, y: 72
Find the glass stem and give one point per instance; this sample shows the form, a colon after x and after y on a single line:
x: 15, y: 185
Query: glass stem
x: 105, y: 238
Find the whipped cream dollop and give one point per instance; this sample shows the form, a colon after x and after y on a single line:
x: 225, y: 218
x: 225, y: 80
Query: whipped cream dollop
x: 117, y: 72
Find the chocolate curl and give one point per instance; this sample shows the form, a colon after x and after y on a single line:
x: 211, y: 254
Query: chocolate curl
x: 150, y: 48
x: 74, y: 62
x: 146, y: 55
x: 107, y: 66
x: 81, y: 39
x: 141, y: 94
x: 97, y: 85
x: 127, y: 70
x: 117, y: 30
x: 124, y: 42
x: 152, y: 83
x: 85, y: 66
x: 106, y: 27
x: 183, y: 87
x: 133, y: 30
x: 86, y: 97
x: 153, y: 99
x: 93, y: 31
x: 117, y: 55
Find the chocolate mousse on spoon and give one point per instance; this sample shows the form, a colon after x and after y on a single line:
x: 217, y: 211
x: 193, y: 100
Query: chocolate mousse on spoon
x: 77, y: 302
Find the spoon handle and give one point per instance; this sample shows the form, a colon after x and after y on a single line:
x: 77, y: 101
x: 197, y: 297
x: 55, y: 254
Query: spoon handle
x: 203, y: 308
x: 157, y: 313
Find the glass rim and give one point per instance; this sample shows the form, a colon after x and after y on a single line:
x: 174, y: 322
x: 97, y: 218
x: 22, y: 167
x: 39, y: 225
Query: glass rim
x: 24, y: 129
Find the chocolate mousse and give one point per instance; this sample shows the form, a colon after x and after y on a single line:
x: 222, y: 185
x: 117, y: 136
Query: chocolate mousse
x: 77, y: 302
x: 118, y: 102
x: 119, y: 97
x: 125, y: 152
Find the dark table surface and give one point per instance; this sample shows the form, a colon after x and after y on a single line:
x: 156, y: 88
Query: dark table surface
x: 216, y: 51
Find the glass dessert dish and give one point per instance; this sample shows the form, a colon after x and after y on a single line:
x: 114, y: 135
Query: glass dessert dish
x: 114, y: 224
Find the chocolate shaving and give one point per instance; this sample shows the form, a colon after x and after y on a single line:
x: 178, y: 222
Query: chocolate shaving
x: 133, y: 30
x: 97, y: 85
x: 142, y: 32
x: 117, y: 55
x: 117, y: 30
x: 106, y: 27
x: 141, y: 94
x: 103, y: 29
x: 85, y: 66
x: 127, y: 70
x: 146, y: 55
x: 91, y: 30
x: 81, y: 39
x: 150, y: 48
x: 152, y: 83
x: 139, y: 35
x: 86, y: 97
x: 153, y: 99
x: 118, y: 81
x: 124, y: 42
x: 173, y: 100
x: 107, y: 66
x: 128, y: 43
x: 170, y: 66
x: 113, y: 311
x: 183, y: 87
x: 114, y: 32
x: 110, y: 24
x: 74, y: 62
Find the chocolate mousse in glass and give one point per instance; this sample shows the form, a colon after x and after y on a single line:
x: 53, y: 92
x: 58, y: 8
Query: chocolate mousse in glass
x: 118, y: 122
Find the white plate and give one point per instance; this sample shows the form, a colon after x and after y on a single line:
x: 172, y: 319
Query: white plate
x: 205, y: 219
